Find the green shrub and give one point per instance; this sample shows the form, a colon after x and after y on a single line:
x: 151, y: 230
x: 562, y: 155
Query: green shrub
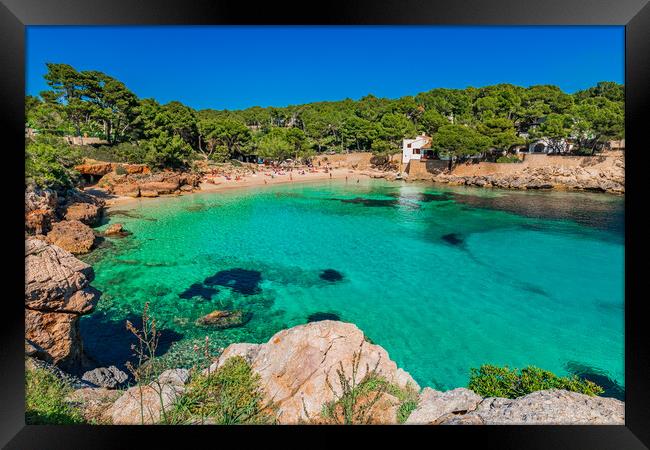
x: 124, y: 152
x: 508, y: 159
x: 493, y: 381
x: 355, y: 403
x: 49, y: 163
x: 45, y: 399
x: 231, y: 395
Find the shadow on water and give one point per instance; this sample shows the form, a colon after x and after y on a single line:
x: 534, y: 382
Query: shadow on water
x: 331, y: 275
x: 424, y: 197
x: 370, y: 202
x: 198, y: 290
x: 242, y: 281
x: 453, y: 239
x: 598, y: 376
x: 603, y: 214
x: 108, y: 342
x: 319, y: 316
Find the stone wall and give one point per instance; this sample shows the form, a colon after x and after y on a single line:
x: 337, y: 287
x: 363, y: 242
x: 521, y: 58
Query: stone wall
x: 356, y: 160
x: 425, y: 169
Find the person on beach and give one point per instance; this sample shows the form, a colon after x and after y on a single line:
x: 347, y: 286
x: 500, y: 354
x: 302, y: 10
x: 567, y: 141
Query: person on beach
x: 330, y: 175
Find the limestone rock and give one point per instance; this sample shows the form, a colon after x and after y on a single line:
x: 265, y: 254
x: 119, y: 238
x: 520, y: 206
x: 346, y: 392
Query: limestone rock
x: 160, y: 187
x: 57, y: 293
x: 551, y: 407
x: 72, y: 235
x: 53, y: 279
x: 145, y: 404
x: 126, y: 190
x: 40, y: 207
x: 87, y: 213
x: 114, y: 229
x: 435, y: 405
x: 93, y: 401
x: 295, y: 364
x: 224, y: 319
x: 106, y: 377
x: 38, y: 221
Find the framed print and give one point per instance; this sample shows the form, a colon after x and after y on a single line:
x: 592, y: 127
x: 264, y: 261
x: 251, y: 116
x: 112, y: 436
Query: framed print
x: 414, y: 218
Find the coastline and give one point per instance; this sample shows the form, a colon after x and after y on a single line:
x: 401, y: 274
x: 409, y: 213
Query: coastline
x: 251, y: 181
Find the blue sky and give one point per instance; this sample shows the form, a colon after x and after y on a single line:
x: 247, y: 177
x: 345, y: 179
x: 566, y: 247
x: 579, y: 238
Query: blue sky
x: 237, y: 67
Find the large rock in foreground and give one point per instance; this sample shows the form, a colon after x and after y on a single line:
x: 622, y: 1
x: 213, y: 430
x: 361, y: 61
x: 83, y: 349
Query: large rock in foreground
x: 57, y: 293
x: 435, y: 406
x: 147, y: 405
x: 549, y: 407
x: 296, y: 364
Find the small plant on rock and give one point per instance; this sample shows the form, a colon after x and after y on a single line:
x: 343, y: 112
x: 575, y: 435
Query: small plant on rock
x: 359, y: 400
x: 230, y: 395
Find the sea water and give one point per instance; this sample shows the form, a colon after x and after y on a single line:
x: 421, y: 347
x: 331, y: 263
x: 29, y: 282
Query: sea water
x: 445, y: 279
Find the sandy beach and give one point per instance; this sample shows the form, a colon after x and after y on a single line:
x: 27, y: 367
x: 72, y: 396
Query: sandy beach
x: 259, y: 179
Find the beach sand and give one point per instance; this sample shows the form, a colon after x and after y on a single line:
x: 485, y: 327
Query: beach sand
x: 259, y: 179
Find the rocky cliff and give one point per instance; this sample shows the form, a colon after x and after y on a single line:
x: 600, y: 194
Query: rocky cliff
x: 590, y: 173
x: 57, y: 293
x: 299, y: 373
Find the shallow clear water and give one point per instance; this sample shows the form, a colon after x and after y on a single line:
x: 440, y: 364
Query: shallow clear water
x: 443, y: 278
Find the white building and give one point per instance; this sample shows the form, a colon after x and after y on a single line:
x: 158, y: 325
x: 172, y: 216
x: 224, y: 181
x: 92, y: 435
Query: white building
x: 418, y: 148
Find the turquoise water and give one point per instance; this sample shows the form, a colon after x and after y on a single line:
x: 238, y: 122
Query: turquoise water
x: 443, y: 278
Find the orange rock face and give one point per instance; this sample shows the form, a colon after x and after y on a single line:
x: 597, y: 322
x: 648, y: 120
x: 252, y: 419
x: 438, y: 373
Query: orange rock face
x: 72, y: 235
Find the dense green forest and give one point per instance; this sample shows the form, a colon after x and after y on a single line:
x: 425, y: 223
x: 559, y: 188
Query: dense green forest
x: 460, y: 121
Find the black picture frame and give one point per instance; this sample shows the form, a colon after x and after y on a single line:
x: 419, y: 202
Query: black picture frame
x: 16, y: 14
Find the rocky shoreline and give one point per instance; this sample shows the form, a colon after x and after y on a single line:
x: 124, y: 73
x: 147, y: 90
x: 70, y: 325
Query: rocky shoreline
x: 298, y: 367
x: 586, y: 173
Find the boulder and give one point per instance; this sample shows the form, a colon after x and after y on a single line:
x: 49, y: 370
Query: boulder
x: 435, y: 405
x: 550, y: 407
x: 93, y: 402
x: 72, y: 235
x: 147, y: 404
x: 106, y: 377
x: 224, y: 319
x: 146, y: 193
x: 40, y: 208
x: 114, y: 229
x: 296, y: 366
x: 95, y: 169
x: 87, y: 213
x: 38, y: 221
x: 57, y: 293
x: 126, y: 190
x: 161, y: 187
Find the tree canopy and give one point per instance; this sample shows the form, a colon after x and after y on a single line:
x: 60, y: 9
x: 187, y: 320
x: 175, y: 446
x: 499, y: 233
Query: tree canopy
x: 460, y: 121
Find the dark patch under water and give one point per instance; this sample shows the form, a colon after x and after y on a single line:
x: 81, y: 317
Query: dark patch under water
x: 424, y: 197
x: 589, y: 210
x: 243, y: 281
x: 331, y: 275
x: 319, y: 316
x: 370, y: 202
x: 595, y: 375
x: 453, y: 239
x: 194, y: 208
x: 198, y: 290
x: 108, y: 342
x: 129, y: 214
x: 534, y: 289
